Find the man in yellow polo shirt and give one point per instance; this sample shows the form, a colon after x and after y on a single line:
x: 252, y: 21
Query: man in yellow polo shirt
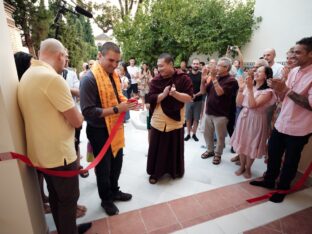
x: 50, y: 118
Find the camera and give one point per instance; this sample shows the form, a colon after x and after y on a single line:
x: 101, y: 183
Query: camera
x: 233, y: 48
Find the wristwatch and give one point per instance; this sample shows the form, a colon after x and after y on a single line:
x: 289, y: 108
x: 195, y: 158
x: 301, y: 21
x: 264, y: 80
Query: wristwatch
x: 115, y: 109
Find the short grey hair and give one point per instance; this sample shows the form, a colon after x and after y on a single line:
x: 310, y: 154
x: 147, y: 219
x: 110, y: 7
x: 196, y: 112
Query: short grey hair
x: 227, y: 61
x: 262, y: 62
x: 52, y: 45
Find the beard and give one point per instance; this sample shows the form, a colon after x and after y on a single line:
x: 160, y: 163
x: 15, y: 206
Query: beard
x: 195, y: 69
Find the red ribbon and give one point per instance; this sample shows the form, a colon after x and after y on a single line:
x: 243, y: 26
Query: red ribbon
x: 95, y: 162
x: 296, y: 187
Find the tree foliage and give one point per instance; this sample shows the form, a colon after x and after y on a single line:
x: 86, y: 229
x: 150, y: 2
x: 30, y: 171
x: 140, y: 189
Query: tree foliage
x: 110, y: 14
x: 36, y: 22
x: 24, y: 17
x: 182, y: 27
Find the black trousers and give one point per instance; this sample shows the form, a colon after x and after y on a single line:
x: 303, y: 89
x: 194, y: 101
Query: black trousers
x: 77, y: 138
x: 292, y: 146
x: 231, y: 124
x: 63, y: 197
x: 133, y: 88
x: 108, y: 170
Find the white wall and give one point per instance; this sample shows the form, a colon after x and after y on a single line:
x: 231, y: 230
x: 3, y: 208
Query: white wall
x: 20, y: 200
x: 284, y: 23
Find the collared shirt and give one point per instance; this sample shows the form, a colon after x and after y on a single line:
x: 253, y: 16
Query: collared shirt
x: 90, y: 102
x: 221, y: 105
x: 295, y: 120
x: 42, y: 96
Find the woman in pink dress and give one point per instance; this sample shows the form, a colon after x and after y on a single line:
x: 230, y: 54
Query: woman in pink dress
x: 252, y: 130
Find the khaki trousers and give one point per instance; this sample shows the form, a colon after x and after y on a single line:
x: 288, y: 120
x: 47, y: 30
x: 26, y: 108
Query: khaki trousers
x: 215, y: 124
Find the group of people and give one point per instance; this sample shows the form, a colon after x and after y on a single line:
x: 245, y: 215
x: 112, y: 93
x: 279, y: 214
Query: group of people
x: 234, y: 102
x: 266, y: 111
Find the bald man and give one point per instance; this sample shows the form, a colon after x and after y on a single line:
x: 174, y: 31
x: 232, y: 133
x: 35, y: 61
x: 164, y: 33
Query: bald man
x: 51, y: 117
x: 269, y: 55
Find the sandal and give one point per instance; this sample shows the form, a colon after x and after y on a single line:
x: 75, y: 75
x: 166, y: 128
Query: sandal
x: 81, y: 211
x: 46, y: 208
x: 82, y: 208
x: 83, y: 174
x: 207, y: 155
x: 216, y: 159
x: 152, y: 180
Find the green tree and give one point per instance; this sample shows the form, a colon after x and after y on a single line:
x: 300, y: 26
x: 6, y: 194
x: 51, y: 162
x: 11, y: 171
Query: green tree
x: 24, y: 15
x: 182, y: 27
x: 37, y: 23
x: 110, y: 14
x: 40, y: 24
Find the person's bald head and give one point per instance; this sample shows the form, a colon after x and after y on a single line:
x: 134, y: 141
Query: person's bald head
x: 53, y: 52
x: 85, y: 66
x: 269, y: 55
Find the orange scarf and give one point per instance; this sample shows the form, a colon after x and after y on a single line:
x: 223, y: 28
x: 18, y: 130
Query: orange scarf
x: 109, y: 99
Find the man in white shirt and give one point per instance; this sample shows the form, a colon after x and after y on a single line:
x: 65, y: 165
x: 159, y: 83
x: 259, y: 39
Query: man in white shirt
x: 134, y: 72
x: 269, y: 55
x: 73, y: 82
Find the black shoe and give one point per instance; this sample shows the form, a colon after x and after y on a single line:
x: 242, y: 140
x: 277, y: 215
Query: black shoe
x: 84, y: 174
x: 152, y: 180
x: 120, y: 196
x: 110, y: 208
x: 277, y: 198
x: 262, y: 183
x: 195, y: 138
x: 187, y: 137
x: 82, y: 228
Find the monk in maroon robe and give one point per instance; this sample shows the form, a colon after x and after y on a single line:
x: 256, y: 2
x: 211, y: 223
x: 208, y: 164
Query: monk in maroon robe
x: 169, y: 91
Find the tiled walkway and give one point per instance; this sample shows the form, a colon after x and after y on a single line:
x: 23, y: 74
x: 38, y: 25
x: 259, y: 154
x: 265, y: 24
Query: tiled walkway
x: 180, y: 213
x: 205, y: 193
x: 299, y: 222
x: 256, y: 216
